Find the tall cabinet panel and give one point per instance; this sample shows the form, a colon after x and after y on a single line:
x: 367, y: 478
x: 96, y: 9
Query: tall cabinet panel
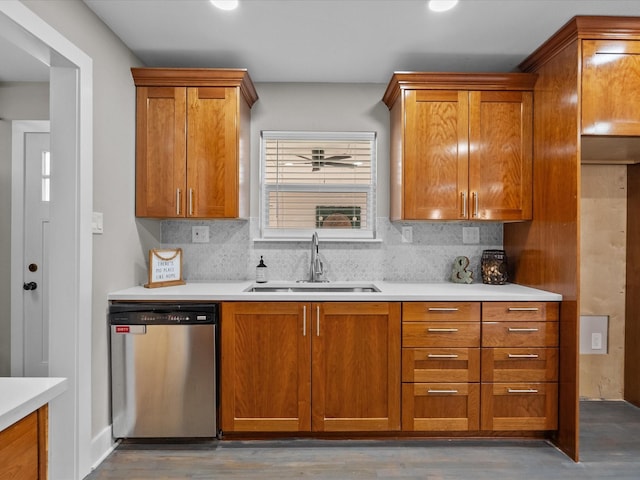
x: 581, y: 89
x: 192, y: 148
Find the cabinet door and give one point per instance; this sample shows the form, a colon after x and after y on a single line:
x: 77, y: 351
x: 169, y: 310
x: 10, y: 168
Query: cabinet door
x: 356, y: 367
x: 610, y: 87
x: 212, y: 152
x: 266, y: 370
x: 500, y: 157
x: 160, y: 152
x: 435, y: 155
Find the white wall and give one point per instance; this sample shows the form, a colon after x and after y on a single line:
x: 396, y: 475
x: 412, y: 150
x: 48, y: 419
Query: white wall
x: 119, y: 254
x: 18, y: 101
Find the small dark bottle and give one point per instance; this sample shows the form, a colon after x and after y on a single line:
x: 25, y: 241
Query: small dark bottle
x: 261, y: 272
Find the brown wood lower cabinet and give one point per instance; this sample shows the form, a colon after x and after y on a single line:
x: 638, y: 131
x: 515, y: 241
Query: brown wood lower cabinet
x: 519, y: 406
x: 300, y: 367
x: 24, y: 447
x: 471, y: 368
x: 440, y: 406
x: 479, y: 367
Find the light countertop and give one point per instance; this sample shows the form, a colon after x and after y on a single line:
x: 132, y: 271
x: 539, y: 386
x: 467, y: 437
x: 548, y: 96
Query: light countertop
x: 19, y: 396
x: 389, y: 292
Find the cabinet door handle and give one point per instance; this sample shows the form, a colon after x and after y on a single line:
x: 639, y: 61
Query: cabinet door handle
x: 523, y: 390
x: 442, y: 309
x: 442, y: 355
x: 317, y: 320
x: 304, y: 320
x: 475, y: 204
x: 442, y: 330
x: 523, y: 309
x: 521, y: 330
x: 191, y: 202
x: 523, y: 355
x: 177, y: 201
x: 442, y: 391
x: 463, y: 201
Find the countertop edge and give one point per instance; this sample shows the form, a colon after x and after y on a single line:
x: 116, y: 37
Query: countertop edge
x: 390, y: 292
x: 24, y: 395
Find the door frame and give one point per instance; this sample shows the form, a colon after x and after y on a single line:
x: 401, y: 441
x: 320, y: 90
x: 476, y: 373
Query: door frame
x: 71, y: 117
x: 19, y: 129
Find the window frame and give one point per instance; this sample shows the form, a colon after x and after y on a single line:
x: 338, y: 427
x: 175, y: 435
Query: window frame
x: 336, y: 234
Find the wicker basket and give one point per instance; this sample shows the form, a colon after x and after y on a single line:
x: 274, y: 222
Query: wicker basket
x: 493, y: 267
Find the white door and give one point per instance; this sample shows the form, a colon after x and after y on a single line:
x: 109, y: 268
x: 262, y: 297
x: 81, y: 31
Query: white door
x: 37, y: 168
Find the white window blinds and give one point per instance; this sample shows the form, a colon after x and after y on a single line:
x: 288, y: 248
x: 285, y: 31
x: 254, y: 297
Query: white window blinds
x: 318, y: 181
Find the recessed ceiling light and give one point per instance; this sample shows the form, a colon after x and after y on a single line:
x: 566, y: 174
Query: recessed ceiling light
x: 442, y: 5
x: 225, y: 4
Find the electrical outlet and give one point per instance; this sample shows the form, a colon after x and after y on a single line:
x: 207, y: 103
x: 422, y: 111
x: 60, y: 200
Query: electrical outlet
x: 471, y: 235
x: 596, y: 341
x: 200, y: 234
x: 407, y: 234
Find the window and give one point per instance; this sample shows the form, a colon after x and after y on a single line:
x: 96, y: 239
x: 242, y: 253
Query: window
x: 318, y: 181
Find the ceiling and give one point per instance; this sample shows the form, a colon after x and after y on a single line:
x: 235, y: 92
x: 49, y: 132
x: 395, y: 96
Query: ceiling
x: 355, y: 41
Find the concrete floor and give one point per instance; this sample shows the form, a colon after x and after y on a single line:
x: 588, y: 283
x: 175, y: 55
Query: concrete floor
x: 609, y: 448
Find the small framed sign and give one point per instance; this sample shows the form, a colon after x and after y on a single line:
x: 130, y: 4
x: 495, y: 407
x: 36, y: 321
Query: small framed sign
x: 165, y: 267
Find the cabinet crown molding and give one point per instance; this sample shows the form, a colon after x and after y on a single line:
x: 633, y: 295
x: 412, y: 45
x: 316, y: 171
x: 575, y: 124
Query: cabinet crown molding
x: 197, y: 77
x: 582, y: 28
x: 455, y: 81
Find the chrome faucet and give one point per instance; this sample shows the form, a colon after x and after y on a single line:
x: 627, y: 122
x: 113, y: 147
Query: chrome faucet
x: 316, y: 270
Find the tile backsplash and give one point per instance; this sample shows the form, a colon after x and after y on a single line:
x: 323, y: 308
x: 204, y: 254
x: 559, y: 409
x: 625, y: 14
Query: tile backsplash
x: 232, y: 253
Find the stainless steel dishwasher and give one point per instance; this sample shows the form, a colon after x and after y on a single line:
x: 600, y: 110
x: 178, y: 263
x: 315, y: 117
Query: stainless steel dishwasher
x: 163, y: 369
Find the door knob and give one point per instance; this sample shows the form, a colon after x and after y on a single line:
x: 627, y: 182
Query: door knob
x: 30, y: 286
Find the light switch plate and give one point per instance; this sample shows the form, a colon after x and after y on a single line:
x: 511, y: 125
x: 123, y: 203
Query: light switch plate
x: 200, y: 234
x: 97, y: 226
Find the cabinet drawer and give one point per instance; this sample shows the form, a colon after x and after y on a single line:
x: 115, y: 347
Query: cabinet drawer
x: 440, y: 406
x: 440, y: 334
x: 519, y: 364
x: 519, y: 406
x: 520, y: 311
x: 440, y: 364
x: 520, y: 334
x: 441, y: 311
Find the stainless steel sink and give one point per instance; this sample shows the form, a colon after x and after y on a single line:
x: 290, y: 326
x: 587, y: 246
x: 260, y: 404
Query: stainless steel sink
x: 313, y: 287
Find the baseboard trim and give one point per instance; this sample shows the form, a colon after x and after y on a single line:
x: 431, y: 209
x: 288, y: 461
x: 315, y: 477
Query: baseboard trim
x: 101, y: 446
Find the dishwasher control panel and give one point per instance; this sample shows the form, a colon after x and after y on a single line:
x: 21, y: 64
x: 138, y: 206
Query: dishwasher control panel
x: 162, y: 314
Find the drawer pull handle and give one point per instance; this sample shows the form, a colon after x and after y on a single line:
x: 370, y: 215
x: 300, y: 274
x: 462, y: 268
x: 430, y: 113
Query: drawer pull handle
x: 523, y: 309
x: 463, y: 202
x: 512, y: 329
x: 442, y: 309
x: 442, y: 330
x: 442, y: 391
x: 524, y: 355
x: 304, y: 320
x: 442, y: 355
x: 523, y: 390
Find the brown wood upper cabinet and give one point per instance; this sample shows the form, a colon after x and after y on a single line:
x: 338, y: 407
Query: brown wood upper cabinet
x: 295, y: 367
x: 461, y: 146
x: 192, y: 142
x: 610, y: 87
